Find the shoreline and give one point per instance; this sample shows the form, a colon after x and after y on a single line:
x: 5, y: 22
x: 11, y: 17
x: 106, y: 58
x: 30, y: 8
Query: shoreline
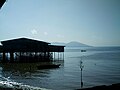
x: 103, y: 87
x: 9, y: 85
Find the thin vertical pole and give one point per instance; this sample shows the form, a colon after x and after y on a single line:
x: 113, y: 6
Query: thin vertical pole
x: 81, y: 79
x: 81, y: 67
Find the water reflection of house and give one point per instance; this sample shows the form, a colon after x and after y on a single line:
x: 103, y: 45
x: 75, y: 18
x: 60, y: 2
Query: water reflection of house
x: 29, y: 50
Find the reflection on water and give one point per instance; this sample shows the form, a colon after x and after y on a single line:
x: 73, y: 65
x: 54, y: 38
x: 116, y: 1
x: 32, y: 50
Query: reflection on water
x: 24, y: 72
x: 25, y: 69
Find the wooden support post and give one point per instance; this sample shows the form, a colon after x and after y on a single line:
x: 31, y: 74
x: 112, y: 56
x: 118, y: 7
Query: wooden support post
x: 11, y: 57
x: 44, y: 56
x: 58, y: 55
x: 48, y: 56
x: 39, y: 56
x: 20, y: 56
x: 63, y: 55
x: 54, y: 55
x: 4, y: 58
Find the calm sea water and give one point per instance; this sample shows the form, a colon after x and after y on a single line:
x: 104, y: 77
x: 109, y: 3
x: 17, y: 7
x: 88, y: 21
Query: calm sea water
x: 101, y: 67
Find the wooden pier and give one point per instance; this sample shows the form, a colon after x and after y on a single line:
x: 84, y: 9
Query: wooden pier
x: 29, y: 51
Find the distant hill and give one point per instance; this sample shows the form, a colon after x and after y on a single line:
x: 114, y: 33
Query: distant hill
x: 76, y: 44
x: 70, y: 44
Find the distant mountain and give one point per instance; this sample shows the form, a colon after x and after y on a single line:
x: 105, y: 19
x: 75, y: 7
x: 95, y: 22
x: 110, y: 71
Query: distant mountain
x: 70, y: 44
x: 76, y: 44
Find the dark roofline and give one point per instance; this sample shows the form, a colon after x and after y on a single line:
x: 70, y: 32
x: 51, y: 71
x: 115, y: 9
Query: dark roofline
x: 6, y: 41
x: 1, y: 3
x: 57, y: 45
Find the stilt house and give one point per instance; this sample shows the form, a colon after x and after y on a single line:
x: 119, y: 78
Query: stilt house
x: 29, y: 50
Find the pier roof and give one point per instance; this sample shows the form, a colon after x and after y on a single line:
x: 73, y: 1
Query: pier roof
x: 22, y: 40
x: 29, y: 45
x: 24, y: 45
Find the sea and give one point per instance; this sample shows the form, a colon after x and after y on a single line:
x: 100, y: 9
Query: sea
x: 100, y: 66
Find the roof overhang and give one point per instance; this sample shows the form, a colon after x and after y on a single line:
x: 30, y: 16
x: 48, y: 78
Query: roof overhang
x: 56, y: 48
x: 1, y: 3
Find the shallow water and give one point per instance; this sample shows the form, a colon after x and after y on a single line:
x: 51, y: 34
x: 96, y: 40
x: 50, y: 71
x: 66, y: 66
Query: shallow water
x: 101, y: 66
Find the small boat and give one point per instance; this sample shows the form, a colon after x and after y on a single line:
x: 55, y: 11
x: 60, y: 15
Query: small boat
x: 48, y: 66
x: 83, y: 50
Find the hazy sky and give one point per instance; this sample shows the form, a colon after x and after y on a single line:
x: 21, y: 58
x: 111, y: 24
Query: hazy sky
x: 93, y: 22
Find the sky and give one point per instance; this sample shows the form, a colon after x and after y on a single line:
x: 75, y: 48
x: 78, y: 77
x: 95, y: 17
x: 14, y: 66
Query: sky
x: 92, y: 22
